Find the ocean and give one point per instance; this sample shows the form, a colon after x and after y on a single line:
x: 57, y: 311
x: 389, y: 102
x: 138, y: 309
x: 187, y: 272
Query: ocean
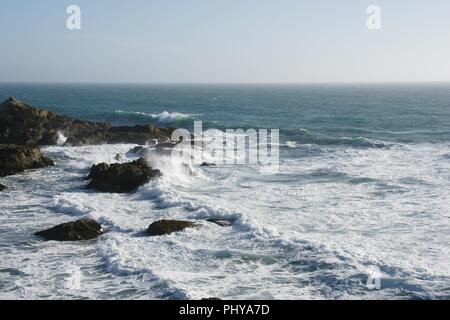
x: 359, y: 208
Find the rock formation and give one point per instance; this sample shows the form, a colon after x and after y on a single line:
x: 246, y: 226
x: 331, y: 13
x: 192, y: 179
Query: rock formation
x: 121, y: 177
x: 15, y: 159
x: 84, y: 229
x: 163, y: 227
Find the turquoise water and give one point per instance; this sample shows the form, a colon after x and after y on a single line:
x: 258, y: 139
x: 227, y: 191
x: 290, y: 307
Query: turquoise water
x: 395, y: 113
x: 363, y: 191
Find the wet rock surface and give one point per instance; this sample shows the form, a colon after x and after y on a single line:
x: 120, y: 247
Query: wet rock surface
x: 15, y: 159
x: 121, y: 177
x: 84, y: 229
x: 163, y: 227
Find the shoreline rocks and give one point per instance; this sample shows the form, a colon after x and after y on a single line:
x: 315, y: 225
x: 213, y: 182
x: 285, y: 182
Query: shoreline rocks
x: 121, y: 177
x: 163, y: 227
x: 22, y: 124
x: 2, y: 187
x: 84, y: 229
x: 15, y: 159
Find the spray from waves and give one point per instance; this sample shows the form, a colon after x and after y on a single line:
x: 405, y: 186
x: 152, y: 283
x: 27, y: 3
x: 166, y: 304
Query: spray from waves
x: 164, y: 117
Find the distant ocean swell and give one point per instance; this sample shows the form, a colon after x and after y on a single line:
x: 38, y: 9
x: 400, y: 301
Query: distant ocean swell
x: 164, y: 117
x: 301, y: 136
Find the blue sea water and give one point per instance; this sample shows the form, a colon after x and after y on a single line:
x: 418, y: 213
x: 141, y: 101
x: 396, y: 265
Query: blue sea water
x: 362, y: 193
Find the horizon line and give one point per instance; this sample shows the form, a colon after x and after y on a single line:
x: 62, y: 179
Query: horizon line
x: 223, y: 83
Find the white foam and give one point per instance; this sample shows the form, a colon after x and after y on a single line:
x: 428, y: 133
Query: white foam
x: 164, y: 117
x: 362, y: 211
x: 61, y: 139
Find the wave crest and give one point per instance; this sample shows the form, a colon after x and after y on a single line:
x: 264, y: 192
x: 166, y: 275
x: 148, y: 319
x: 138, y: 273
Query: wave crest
x: 164, y: 117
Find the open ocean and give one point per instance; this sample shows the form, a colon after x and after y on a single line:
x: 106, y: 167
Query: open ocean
x: 363, y: 192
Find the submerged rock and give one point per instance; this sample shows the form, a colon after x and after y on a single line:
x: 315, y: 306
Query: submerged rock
x: 222, y: 222
x: 23, y: 124
x: 2, y: 187
x: 84, y: 229
x: 121, y: 177
x: 138, y: 151
x: 162, y: 227
x: 15, y: 159
x: 207, y: 164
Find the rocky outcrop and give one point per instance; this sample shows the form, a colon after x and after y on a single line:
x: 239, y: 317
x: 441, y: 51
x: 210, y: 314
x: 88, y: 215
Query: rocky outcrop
x: 163, y: 227
x: 84, y: 229
x: 121, y: 177
x: 15, y: 159
x: 22, y: 124
x: 2, y: 187
x: 222, y: 222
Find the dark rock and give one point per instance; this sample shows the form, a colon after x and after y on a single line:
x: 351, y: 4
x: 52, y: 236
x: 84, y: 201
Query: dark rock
x: 211, y: 298
x: 22, y: 124
x: 207, y: 164
x: 84, y: 229
x: 2, y: 187
x: 162, y: 227
x: 49, y: 138
x: 139, y: 134
x: 15, y: 159
x: 121, y: 177
x: 222, y: 222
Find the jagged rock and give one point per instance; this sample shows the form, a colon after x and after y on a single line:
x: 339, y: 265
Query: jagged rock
x: 22, y: 124
x: 222, y: 222
x: 121, y: 177
x: 2, y: 187
x: 163, y: 227
x: 84, y: 229
x: 15, y: 159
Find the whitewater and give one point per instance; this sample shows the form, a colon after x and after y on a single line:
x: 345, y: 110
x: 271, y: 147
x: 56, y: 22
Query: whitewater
x: 352, y: 201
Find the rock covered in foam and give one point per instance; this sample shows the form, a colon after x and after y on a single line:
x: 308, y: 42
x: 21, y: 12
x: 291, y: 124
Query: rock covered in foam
x: 121, y: 177
x: 222, y: 222
x: 84, y: 229
x: 163, y: 227
x: 138, y: 151
x: 15, y: 159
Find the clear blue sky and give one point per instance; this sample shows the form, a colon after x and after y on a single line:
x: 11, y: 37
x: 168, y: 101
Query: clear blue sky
x: 224, y: 41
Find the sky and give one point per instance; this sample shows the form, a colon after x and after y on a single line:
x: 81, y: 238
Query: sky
x: 218, y: 41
